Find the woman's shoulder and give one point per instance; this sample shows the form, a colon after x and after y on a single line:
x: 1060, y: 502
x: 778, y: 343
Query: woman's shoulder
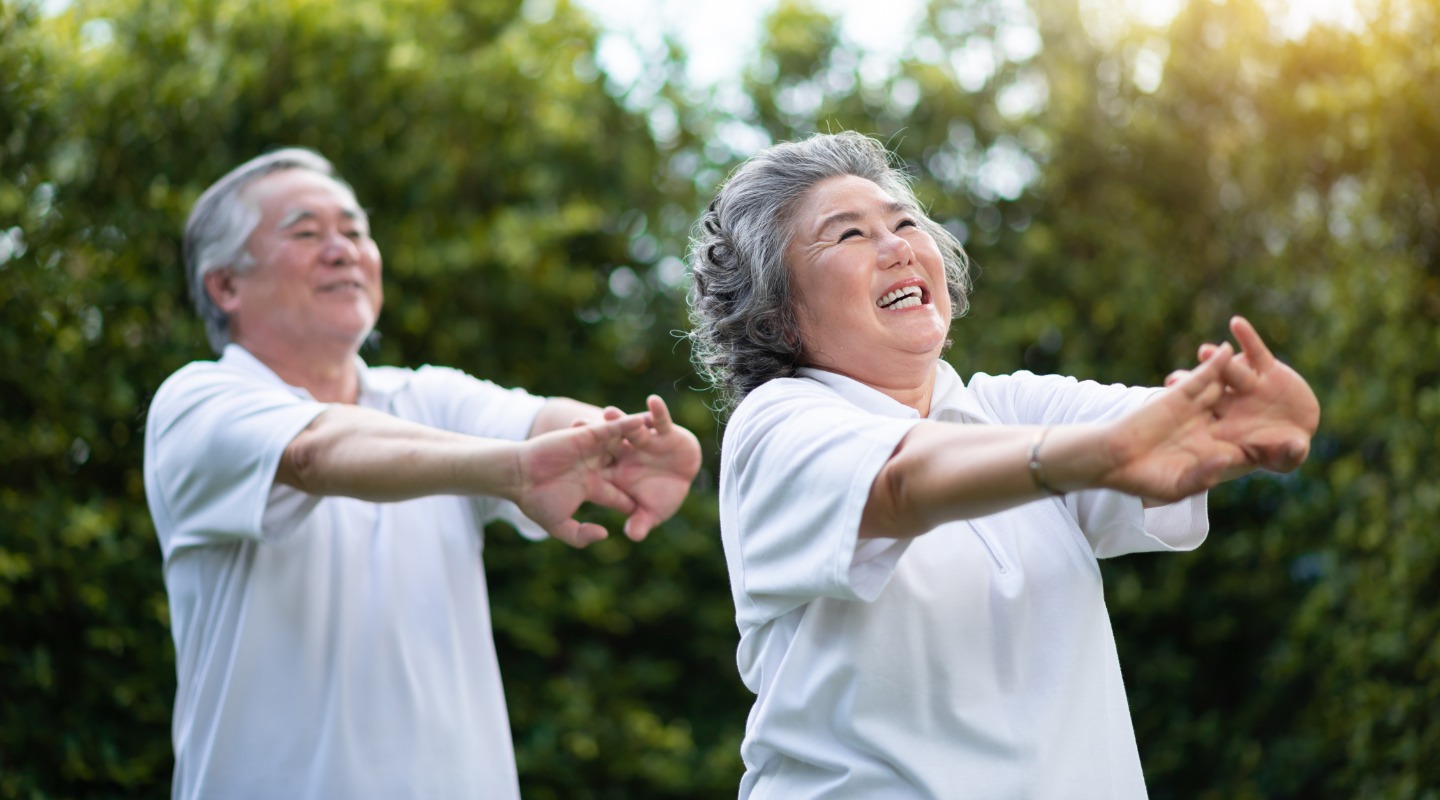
x: 1021, y: 383
x: 805, y: 408
x: 778, y: 396
x: 1026, y: 398
x: 809, y: 390
x: 780, y: 389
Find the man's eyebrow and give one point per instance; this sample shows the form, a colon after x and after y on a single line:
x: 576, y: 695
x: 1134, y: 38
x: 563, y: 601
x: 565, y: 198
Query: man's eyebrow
x: 302, y: 214
x: 298, y: 215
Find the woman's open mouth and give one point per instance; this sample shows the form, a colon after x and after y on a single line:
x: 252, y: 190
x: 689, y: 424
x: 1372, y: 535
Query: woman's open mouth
x: 903, y: 297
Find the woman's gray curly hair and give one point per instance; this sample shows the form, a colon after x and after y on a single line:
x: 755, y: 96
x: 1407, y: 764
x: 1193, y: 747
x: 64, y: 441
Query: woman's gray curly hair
x: 743, y: 326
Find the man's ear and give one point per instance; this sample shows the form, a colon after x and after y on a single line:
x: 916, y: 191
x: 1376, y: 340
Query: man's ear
x: 220, y: 285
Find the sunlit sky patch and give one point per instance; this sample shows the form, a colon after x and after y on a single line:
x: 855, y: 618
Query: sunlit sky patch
x: 721, y: 36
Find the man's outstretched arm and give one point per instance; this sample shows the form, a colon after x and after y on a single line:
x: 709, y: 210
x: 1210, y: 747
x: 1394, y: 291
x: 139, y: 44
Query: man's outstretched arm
x: 357, y: 452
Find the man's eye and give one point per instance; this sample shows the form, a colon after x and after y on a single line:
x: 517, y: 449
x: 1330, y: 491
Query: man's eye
x: 907, y: 223
x: 356, y: 235
x: 850, y: 233
x: 304, y: 234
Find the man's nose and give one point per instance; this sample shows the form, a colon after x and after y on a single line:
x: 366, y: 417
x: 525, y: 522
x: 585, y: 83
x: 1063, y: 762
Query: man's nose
x: 340, y: 250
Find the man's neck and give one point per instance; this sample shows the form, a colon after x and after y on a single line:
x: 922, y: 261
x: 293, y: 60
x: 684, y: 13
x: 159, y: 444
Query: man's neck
x: 328, y: 374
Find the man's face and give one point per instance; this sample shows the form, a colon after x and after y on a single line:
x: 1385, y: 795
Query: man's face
x: 316, y: 278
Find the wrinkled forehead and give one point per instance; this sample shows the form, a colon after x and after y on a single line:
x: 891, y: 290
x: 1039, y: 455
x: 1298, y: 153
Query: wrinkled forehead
x: 841, y: 199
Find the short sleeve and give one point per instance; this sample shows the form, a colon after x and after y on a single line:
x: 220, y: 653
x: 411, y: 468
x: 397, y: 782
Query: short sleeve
x: 1118, y: 524
x: 214, y: 439
x: 1114, y: 523
x: 797, y: 465
x: 1023, y: 398
x: 456, y: 401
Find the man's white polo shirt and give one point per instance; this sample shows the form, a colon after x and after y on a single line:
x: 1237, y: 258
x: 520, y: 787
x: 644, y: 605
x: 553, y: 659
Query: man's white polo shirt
x: 325, y: 647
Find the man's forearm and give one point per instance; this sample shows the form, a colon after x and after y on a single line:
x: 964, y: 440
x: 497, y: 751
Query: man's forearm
x: 357, y: 452
x: 562, y: 412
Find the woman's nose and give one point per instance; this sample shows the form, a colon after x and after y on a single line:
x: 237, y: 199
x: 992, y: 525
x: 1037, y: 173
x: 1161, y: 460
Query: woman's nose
x: 894, y: 251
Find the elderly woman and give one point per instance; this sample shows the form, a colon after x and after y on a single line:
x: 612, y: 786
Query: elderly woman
x: 913, y: 557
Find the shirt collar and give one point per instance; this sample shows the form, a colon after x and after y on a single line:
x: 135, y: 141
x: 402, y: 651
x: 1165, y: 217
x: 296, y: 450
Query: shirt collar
x: 953, y: 401
x: 950, y: 401
x: 376, y: 386
x: 379, y: 385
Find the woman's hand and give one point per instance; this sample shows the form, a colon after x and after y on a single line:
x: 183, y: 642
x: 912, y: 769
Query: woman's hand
x: 1267, y: 409
x: 1169, y: 448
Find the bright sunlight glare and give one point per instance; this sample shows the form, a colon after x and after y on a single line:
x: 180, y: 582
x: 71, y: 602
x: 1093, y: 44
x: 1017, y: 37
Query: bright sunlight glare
x: 1294, y: 17
x: 1105, y: 20
x: 721, y: 36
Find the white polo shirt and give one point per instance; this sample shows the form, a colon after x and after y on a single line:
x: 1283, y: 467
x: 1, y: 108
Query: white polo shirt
x: 325, y: 647
x: 975, y: 661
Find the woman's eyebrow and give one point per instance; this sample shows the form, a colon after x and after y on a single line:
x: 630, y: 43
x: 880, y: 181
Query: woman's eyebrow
x: 844, y: 217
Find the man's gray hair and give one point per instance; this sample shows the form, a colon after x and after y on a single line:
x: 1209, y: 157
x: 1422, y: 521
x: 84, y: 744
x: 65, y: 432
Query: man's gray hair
x: 743, y: 325
x: 221, y: 224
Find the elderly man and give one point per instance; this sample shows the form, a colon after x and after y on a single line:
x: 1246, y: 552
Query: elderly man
x: 321, y: 520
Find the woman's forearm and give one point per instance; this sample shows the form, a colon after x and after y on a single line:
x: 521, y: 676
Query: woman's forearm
x: 942, y: 472
x: 1164, y: 450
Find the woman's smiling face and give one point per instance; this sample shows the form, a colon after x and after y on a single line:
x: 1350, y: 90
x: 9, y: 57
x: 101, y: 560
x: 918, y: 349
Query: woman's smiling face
x: 868, y: 283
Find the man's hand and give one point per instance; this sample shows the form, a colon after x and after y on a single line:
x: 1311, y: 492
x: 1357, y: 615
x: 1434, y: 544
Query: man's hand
x: 654, y: 466
x: 558, y: 471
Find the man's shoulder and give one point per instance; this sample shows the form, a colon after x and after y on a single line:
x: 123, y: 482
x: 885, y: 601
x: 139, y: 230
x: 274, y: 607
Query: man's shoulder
x: 441, y: 382
x: 201, y: 380
x: 198, y: 374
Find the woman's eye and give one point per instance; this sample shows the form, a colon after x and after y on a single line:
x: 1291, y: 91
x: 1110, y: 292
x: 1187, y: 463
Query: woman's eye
x: 849, y: 233
x: 907, y: 223
x: 355, y: 235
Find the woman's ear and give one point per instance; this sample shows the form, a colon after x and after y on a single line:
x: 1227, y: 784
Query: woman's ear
x: 220, y: 285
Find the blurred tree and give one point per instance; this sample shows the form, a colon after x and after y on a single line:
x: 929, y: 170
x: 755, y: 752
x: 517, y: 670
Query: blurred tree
x: 1298, y: 183
x: 519, y: 209
x: 1124, y: 188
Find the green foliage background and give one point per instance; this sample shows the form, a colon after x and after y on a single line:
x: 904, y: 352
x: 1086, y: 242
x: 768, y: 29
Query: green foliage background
x: 1123, y: 189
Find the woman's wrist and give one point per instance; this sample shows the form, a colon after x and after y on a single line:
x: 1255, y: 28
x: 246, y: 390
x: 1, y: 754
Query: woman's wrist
x: 1070, y: 457
x: 1037, y: 464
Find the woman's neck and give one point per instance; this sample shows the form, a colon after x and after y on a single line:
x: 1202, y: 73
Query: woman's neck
x: 914, y: 388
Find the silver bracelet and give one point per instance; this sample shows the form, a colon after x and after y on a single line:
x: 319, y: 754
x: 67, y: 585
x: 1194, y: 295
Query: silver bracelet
x: 1037, y: 470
